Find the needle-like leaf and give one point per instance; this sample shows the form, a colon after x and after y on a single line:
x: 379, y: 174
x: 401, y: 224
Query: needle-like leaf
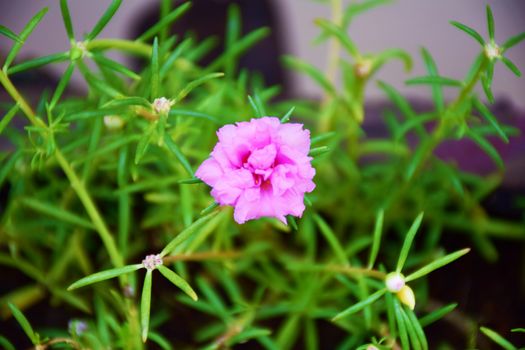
x: 24, y: 34
x: 66, y: 17
x: 165, y: 21
x: 469, y: 31
x: 104, y: 20
x: 104, y: 275
x: 24, y: 323
x: 490, y: 23
x: 378, y: 228
x: 408, y: 242
x: 512, y: 41
x: 178, y: 281
x: 360, y: 305
x: 498, y: 339
x: 447, y: 259
x: 9, y: 34
x: 145, y: 305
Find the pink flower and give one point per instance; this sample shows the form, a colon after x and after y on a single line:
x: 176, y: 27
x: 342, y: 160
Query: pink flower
x: 261, y: 168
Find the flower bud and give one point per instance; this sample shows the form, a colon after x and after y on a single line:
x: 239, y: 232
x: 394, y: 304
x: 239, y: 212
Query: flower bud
x: 363, y: 68
x: 394, y: 281
x: 151, y: 262
x: 78, y: 50
x: 406, y: 296
x: 162, y: 105
x: 113, y: 122
x: 492, y: 51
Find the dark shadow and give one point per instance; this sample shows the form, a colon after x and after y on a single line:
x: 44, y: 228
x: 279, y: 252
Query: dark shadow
x: 208, y: 18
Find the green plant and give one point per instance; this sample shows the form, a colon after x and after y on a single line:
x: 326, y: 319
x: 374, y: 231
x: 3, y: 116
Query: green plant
x: 108, y: 179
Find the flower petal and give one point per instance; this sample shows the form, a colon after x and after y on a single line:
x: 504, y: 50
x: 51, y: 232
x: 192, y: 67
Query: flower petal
x: 228, y: 189
x: 294, y: 136
x: 263, y: 158
x: 209, y: 171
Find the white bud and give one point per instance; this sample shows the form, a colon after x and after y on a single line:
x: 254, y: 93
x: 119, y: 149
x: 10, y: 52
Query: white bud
x: 113, y: 122
x: 492, y: 51
x: 394, y: 282
x: 151, y: 262
x: 162, y: 105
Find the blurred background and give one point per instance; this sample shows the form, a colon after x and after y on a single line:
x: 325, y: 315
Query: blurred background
x: 406, y: 24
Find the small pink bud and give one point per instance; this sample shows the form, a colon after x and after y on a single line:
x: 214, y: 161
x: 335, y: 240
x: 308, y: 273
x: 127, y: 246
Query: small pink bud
x: 394, y: 282
x: 162, y: 105
x: 151, y: 262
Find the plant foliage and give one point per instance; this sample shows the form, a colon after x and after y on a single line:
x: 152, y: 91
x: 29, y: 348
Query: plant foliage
x: 95, y: 183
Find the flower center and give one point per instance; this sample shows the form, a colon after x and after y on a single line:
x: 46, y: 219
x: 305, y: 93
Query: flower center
x: 261, y: 163
x: 257, y: 179
x: 262, y: 158
x: 261, y: 181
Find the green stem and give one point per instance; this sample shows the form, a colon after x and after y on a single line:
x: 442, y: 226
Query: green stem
x: 165, y: 8
x: 203, y: 256
x: 428, y: 145
x: 478, y: 219
x: 133, y: 47
x: 24, y: 106
x: 349, y: 270
x: 352, y: 271
x: 332, y: 64
x: 470, y: 85
x: 91, y: 209
x: 357, y: 109
x: 441, y: 130
x: 76, y: 184
x: 335, y: 45
x: 134, y: 341
x: 54, y: 341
